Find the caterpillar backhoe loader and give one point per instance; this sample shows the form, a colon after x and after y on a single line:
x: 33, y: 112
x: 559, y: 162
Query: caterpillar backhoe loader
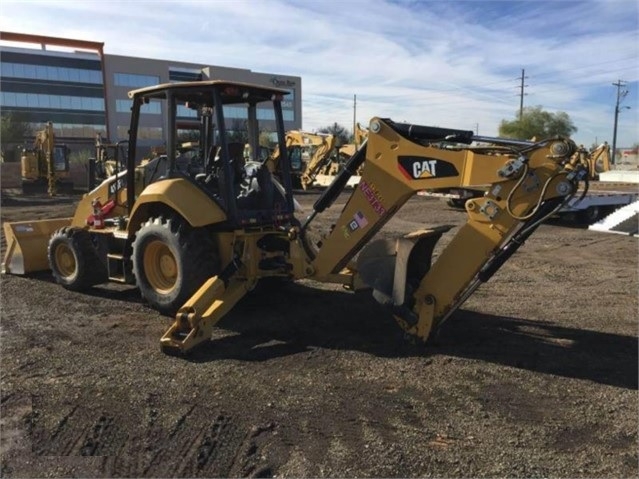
x: 45, y: 166
x: 195, y: 245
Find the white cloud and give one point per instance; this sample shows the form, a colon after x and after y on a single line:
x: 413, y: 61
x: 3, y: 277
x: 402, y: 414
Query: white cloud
x: 451, y: 64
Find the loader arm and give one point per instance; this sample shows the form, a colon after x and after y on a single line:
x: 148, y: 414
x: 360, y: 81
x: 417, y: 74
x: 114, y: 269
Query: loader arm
x: 528, y: 182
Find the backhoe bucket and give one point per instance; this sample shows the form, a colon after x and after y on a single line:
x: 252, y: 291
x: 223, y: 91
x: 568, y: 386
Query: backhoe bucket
x: 389, y: 266
x: 27, y: 243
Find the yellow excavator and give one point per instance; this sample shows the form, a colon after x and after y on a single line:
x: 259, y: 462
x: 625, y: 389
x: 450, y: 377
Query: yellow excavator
x: 194, y: 245
x: 335, y: 163
x: 45, y: 166
x: 598, y: 159
x: 307, y: 153
x: 320, y: 157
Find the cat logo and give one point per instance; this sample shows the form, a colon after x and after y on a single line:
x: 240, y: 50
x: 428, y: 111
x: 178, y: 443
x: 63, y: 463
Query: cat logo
x: 426, y: 166
x: 422, y: 167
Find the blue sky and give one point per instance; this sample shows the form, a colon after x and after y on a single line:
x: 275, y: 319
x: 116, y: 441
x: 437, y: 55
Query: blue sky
x: 446, y: 63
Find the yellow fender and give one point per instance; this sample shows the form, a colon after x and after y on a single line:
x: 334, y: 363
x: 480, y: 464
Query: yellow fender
x: 180, y: 195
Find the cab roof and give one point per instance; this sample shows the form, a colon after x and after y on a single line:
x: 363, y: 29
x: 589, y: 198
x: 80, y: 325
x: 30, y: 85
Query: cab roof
x: 202, y: 91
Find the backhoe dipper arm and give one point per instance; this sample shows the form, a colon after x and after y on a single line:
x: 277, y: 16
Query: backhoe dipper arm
x: 528, y: 183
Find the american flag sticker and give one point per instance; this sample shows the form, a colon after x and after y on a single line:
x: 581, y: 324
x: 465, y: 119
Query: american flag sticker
x: 360, y: 219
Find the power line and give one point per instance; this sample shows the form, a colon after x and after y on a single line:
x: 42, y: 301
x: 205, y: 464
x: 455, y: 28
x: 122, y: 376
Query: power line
x: 585, y: 67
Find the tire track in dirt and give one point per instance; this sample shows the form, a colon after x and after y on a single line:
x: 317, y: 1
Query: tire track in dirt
x: 186, y: 440
x: 80, y: 431
x: 201, y: 442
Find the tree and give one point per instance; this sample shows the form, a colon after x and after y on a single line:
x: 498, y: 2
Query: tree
x: 14, y: 129
x: 539, y: 124
x: 341, y: 134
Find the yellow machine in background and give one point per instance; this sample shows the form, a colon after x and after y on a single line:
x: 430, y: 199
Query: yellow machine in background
x: 45, y: 166
x: 336, y: 162
x: 598, y: 159
x: 359, y: 136
x: 195, y: 244
x: 307, y: 153
x: 107, y: 158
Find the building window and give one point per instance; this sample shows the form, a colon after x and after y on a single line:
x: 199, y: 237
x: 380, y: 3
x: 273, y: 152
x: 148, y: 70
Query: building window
x: 50, y: 73
x: 265, y: 114
x: 183, y: 111
x: 152, y: 108
x: 37, y: 100
x: 76, y: 130
x: 133, y: 80
x: 176, y: 76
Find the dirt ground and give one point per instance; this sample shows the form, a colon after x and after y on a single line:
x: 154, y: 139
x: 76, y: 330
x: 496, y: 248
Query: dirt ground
x: 536, y: 375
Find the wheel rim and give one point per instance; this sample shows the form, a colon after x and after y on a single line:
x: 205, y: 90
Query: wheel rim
x: 160, y: 267
x: 65, y: 260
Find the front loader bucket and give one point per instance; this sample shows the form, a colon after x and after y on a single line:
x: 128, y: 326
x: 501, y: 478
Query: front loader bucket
x: 27, y: 243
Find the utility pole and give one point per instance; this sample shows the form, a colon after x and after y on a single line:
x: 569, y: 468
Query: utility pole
x: 521, y: 94
x: 621, y: 94
x: 354, y: 116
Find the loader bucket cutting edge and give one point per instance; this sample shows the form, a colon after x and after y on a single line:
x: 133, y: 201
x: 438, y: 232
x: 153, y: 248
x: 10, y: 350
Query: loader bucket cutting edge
x: 27, y: 243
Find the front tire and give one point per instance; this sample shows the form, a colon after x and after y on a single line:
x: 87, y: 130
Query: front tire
x: 171, y: 260
x: 74, y: 260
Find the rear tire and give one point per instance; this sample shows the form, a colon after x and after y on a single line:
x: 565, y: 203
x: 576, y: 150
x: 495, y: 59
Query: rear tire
x: 74, y: 260
x: 171, y: 260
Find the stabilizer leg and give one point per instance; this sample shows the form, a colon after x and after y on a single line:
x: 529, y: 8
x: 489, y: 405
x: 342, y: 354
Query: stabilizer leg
x: 195, y: 320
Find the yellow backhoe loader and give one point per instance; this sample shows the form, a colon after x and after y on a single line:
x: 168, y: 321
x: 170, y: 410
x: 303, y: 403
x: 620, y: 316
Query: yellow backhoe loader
x: 194, y: 245
x: 45, y: 166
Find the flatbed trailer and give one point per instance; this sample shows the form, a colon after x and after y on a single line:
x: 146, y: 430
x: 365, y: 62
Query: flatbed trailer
x: 600, y: 200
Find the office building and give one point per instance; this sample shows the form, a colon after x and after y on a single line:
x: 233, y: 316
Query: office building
x: 85, y: 92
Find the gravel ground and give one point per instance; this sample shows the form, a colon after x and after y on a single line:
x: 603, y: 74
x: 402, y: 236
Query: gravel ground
x: 536, y: 375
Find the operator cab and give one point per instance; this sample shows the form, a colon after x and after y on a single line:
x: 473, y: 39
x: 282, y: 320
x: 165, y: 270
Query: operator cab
x: 224, y: 158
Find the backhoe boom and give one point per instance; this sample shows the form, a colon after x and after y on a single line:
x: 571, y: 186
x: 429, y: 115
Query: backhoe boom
x: 528, y: 183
